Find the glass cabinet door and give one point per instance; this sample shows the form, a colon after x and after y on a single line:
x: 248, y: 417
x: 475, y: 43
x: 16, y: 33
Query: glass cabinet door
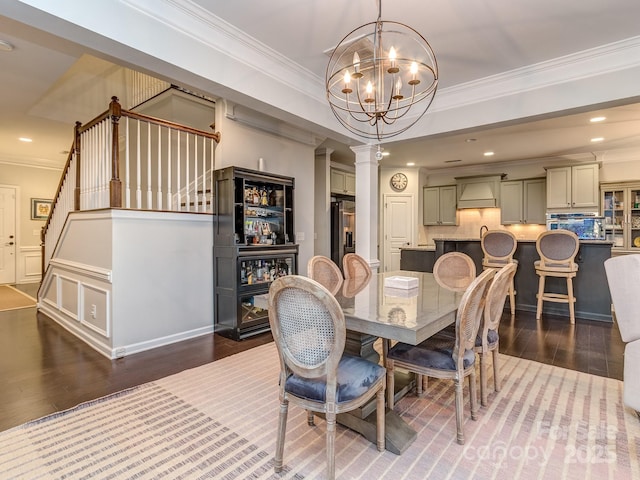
x: 634, y: 218
x: 614, y: 217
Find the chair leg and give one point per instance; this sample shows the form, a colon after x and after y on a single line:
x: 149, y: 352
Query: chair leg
x: 496, y: 370
x: 390, y: 384
x: 571, y: 299
x: 473, y: 394
x: 331, y: 439
x: 540, y: 295
x: 459, y: 405
x: 380, y: 420
x: 310, y: 420
x: 512, y: 297
x: 484, y: 395
x: 418, y: 385
x: 282, y: 429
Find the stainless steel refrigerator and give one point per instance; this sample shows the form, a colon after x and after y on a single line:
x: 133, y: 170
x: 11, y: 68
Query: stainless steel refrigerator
x: 343, y: 229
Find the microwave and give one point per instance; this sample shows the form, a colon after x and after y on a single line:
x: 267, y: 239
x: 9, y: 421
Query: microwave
x: 588, y: 226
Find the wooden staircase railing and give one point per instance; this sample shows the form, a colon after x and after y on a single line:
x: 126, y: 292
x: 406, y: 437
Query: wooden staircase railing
x: 165, y: 167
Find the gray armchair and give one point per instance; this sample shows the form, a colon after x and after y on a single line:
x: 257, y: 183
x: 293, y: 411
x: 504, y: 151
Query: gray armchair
x: 623, y: 276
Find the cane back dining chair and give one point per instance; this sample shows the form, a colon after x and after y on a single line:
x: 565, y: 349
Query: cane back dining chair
x: 498, y: 247
x: 309, y: 331
x: 446, y: 357
x: 353, y: 265
x: 324, y: 271
x: 454, y: 271
x: 557, y: 250
x: 488, y: 339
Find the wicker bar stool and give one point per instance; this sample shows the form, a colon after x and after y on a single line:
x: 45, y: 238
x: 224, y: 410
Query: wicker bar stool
x: 498, y: 247
x: 557, y: 250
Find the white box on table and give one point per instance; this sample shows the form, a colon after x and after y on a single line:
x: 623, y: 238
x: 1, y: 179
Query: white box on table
x: 397, y: 281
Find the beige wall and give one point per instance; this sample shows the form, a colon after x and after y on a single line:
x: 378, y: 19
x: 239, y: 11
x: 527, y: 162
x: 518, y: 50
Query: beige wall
x: 33, y: 182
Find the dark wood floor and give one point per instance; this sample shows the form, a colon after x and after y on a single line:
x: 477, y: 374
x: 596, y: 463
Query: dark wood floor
x: 43, y: 368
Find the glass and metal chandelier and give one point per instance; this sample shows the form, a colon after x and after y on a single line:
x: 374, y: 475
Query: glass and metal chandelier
x: 381, y: 78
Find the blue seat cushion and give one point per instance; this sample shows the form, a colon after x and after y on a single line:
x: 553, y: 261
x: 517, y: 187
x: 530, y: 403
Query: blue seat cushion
x: 355, y: 376
x: 450, y: 332
x: 435, y: 352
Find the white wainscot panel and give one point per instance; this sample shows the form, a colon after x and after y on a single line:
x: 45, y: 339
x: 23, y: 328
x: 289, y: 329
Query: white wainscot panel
x: 32, y: 264
x: 95, y: 309
x: 68, y: 296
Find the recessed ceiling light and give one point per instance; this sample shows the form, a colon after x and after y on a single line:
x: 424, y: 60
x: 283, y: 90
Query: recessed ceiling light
x: 488, y: 154
x: 5, y: 46
x: 386, y: 154
x: 25, y: 139
x: 411, y: 164
x: 597, y: 139
x: 469, y: 140
x: 597, y: 119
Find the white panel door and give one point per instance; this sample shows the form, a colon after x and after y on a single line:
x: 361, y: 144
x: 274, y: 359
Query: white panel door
x: 7, y: 235
x: 398, y: 228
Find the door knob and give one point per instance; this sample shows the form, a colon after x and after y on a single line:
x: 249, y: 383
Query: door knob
x: 8, y: 244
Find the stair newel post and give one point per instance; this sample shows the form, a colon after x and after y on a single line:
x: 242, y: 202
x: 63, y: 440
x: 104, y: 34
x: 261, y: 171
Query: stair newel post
x: 115, y: 185
x: 76, y: 148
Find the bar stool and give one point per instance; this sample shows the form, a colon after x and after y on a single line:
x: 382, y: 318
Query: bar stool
x: 557, y: 250
x: 498, y: 247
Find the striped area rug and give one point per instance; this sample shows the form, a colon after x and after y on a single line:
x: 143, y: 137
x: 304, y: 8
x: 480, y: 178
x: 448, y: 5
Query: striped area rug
x: 219, y: 421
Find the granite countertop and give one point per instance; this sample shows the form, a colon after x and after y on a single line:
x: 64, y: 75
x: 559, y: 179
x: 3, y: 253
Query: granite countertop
x: 424, y: 247
x: 520, y: 240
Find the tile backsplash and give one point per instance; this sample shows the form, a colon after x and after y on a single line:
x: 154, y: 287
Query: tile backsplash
x: 469, y: 223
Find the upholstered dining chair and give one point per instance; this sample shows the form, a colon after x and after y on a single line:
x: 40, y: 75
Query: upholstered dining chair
x: 623, y: 277
x: 488, y: 339
x: 324, y: 270
x: 454, y: 271
x: 498, y: 247
x: 442, y: 356
x: 309, y: 331
x: 353, y: 265
x: 557, y: 250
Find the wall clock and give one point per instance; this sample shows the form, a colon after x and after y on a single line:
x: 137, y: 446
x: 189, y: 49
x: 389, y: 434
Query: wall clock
x: 399, y: 181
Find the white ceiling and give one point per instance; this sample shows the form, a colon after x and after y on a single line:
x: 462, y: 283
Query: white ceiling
x: 473, y: 40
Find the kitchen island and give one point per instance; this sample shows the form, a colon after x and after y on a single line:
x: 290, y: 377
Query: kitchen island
x: 593, y: 300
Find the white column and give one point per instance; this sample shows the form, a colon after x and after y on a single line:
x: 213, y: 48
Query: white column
x: 367, y: 204
x: 322, y: 214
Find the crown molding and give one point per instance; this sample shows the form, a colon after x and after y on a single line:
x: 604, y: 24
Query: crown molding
x: 192, y: 20
x: 597, y: 61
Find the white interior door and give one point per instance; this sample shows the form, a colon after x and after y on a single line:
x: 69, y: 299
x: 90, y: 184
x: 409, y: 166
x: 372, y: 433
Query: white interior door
x: 7, y: 235
x: 398, y: 228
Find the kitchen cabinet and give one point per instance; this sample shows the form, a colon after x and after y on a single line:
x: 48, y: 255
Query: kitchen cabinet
x: 253, y: 245
x: 621, y: 212
x: 523, y: 201
x: 574, y: 187
x: 343, y: 183
x: 439, y: 205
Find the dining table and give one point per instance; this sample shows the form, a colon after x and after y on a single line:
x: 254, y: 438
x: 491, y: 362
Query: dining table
x: 375, y: 307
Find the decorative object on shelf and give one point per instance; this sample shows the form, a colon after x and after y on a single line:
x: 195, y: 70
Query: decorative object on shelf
x: 399, y: 181
x: 376, y: 74
x: 636, y: 242
x: 635, y: 222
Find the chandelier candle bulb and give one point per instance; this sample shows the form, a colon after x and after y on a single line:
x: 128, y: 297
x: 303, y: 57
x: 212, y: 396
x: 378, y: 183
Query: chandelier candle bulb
x: 347, y: 80
x: 392, y: 58
x: 414, y: 72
